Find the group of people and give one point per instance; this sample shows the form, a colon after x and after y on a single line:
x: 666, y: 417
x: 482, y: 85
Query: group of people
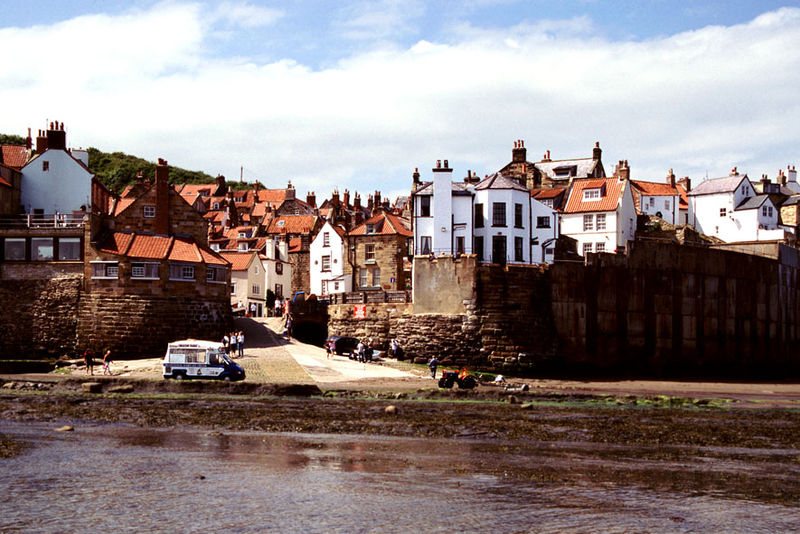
x: 88, y: 360
x: 233, y: 344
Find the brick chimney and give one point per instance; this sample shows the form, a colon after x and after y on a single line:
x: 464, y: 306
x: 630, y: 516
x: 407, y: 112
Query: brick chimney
x: 734, y: 171
x: 346, y: 198
x: 520, y: 153
x: 377, y: 197
x: 222, y: 187
x: 311, y: 199
x: 370, y: 203
x: 41, y: 142
x: 791, y: 174
x: 622, y: 172
x: 290, y: 191
x: 357, y: 202
x: 671, y: 178
x: 28, y: 141
x: 597, y: 152
x: 686, y: 183
x: 335, y: 198
x: 56, y: 137
x: 162, y: 197
x: 546, y: 156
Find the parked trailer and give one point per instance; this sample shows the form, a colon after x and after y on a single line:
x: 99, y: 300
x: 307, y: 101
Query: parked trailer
x: 192, y: 358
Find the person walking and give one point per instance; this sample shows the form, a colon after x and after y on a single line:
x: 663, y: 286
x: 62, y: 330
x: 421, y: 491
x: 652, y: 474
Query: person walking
x: 240, y: 342
x: 289, y: 325
x: 226, y: 341
x: 107, y: 362
x: 433, y: 364
x: 88, y: 359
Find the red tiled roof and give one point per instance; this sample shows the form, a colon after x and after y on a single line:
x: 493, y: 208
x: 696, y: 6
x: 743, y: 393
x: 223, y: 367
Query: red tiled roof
x: 684, y: 200
x: 295, y: 244
x: 239, y: 260
x: 123, y: 204
x: 547, y: 193
x: 292, y: 224
x: 385, y: 224
x: 607, y: 202
x: 273, y: 196
x: 14, y: 155
x: 655, y: 189
x: 148, y: 246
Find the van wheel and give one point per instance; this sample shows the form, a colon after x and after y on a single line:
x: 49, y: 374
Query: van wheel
x: 227, y: 378
x: 179, y: 376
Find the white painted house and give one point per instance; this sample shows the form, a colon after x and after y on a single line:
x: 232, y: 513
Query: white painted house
x: 56, y: 180
x: 494, y: 218
x: 277, y: 268
x: 729, y: 208
x: 327, y: 254
x: 600, y: 214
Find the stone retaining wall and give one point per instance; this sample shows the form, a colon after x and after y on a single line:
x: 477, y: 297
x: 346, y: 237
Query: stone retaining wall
x: 139, y: 326
x: 38, y: 317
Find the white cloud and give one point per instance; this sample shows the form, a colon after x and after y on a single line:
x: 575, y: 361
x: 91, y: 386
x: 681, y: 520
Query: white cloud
x: 145, y: 83
x: 378, y: 19
x: 246, y: 15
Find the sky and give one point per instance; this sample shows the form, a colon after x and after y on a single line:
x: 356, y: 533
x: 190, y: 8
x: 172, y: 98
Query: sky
x: 357, y: 94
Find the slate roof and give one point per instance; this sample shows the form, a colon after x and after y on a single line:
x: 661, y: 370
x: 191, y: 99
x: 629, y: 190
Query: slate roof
x: 427, y: 188
x: 499, y: 181
x: 607, y: 202
x: 582, y: 167
x: 752, y: 203
x: 718, y: 185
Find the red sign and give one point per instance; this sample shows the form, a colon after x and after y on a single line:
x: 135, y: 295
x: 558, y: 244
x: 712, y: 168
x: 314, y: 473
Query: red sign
x: 360, y: 311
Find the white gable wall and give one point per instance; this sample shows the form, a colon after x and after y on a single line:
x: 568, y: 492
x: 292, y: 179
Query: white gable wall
x: 335, y: 275
x: 63, y: 188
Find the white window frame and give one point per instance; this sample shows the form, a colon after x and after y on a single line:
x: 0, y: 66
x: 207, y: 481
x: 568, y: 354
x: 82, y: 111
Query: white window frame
x: 587, y: 248
x: 588, y: 223
x: 599, y: 247
x: 326, y: 264
x: 110, y: 270
x: 326, y: 239
x: 591, y: 194
x: 186, y: 273
x: 600, y: 221
x: 144, y: 266
x: 369, y: 253
x: 148, y: 211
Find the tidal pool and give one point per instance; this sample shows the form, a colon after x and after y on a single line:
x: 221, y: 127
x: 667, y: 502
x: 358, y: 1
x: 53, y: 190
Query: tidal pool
x: 119, y: 478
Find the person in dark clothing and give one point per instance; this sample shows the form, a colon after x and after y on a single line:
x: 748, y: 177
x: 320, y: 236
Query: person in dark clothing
x: 88, y: 359
x: 433, y: 364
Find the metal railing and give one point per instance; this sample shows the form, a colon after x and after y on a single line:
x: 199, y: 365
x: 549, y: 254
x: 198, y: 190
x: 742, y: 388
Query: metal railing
x: 43, y: 220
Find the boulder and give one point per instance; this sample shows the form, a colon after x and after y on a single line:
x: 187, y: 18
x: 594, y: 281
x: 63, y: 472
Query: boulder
x: 391, y: 409
x: 124, y: 388
x: 65, y: 428
x: 92, y: 387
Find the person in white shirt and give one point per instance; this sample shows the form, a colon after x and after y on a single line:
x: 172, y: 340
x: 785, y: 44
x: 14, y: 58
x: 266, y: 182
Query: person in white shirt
x: 240, y: 339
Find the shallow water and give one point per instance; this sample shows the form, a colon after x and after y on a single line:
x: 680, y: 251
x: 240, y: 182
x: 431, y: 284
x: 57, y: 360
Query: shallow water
x: 116, y: 478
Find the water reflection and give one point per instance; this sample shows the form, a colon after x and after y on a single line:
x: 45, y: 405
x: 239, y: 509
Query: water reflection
x: 123, y: 479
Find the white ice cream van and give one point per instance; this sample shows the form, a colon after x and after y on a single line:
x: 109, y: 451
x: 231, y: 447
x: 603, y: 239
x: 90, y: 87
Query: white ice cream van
x: 192, y: 358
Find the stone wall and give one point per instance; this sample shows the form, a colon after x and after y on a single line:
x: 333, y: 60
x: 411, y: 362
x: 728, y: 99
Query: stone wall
x: 671, y: 310
x: 135, y: 326
x: 38, y: 317
x: 301, y: 273
x: 443, y: 284
x: 662, y: 310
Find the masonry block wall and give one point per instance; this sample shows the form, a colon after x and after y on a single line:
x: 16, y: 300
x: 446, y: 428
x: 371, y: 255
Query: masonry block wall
x: 667, y: 309
x: 661, y: 310
x: 38, y: 318
x: 136, y: 326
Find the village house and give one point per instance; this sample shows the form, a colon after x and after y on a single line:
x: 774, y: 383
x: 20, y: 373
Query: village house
x: 662, y: 200
x: 327, y: 261
x: 277, y: 269
x: 730, y: 209
x: 600, y: 214
x: 375, y: 253
x: 549, y: 173
x: 248, y: 292
x: 154, y: 244
x: 493, y: 218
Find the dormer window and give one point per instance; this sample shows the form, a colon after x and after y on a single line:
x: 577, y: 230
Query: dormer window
x: 281, y: 223
x: 370, y: 228
x: 591, y: 194
x: 244, y: 234
x: 149, y: 211
x: 243, y: 246
x: 216, y: 205
x: 548, y: 202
